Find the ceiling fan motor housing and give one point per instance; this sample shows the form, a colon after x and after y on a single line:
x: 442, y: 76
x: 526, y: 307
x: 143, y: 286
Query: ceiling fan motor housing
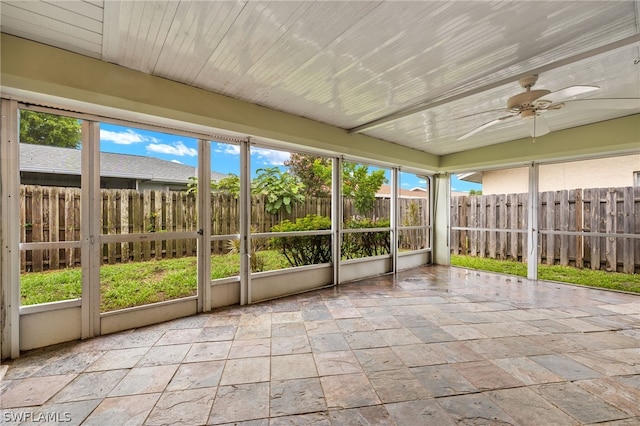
x: 525, y: 100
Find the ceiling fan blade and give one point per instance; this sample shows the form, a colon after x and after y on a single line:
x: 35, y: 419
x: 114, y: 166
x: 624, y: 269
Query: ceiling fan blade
x: 566, y: 93
x: 538, y: 126
x: 484, y: 126
x: 606, y: 103
x: 482, y: 112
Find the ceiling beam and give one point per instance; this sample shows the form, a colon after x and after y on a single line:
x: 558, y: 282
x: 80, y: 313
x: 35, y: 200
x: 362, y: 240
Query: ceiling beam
x: 110, y: 31
x: 444, y: 99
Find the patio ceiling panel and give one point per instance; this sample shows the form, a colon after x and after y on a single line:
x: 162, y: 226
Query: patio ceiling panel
x: 348, y: 63
x: 74, y: 27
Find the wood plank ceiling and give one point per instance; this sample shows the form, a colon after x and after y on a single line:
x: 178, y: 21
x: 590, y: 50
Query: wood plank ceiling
x: 350, y: 63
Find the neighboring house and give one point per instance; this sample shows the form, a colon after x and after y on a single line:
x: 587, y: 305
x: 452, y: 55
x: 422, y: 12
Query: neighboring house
x: 610, y: 172
x: 417, y: 192
x: 56, y: 166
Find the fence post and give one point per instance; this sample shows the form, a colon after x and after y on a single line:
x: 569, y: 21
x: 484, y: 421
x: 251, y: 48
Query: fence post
x: 611, y: 249
x: 595, y: 227
x: 628, y: 260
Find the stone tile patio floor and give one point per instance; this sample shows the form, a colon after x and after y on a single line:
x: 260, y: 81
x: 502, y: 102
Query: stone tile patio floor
x: 434, y: 346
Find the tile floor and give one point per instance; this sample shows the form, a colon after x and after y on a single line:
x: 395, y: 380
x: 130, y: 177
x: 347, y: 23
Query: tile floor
x: 435, y: 346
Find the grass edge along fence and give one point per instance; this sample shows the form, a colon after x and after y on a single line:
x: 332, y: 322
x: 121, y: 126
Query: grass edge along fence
x: 584, y: 211
x: 565, y: 274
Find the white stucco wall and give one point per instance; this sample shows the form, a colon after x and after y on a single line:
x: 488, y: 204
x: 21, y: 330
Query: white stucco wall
x: 597, y: 173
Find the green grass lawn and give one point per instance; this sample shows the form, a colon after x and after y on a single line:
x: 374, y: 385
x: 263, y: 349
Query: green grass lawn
x: 136, y: 283
x: 566, y: 274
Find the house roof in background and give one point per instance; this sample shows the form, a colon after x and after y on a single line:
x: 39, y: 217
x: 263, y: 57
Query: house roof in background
x: 385, y: 191
x: 67, y: 161
x: 475, y: 177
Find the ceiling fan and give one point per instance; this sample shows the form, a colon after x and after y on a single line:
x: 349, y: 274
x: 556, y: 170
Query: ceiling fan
x: 531, y: 104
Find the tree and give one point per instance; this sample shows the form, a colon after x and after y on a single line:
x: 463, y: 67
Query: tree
x: 313, y: 172
x: 361, y: 185
x: 358, y: 182
x: 229, y: 184
x: 280, y: 189
x: 46, y: 129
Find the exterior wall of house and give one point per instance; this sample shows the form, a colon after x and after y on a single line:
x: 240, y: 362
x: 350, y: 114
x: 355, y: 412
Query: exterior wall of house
x: 73, y: 181
x: 596, y: 173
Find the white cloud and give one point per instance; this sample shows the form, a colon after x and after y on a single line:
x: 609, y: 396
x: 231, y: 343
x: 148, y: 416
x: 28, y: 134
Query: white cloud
x: 127, y: 137
x: 406, y: 184
x: 267, y: 156
x: 224, y: 148
x: 422, y: 181
x: 178, y: 149
x: 271, y: 157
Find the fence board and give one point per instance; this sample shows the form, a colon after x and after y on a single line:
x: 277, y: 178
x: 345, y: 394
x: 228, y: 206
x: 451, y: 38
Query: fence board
x: 125, y: 248
x: 473, y: 223
x: 147, y: 217
x: 611, y: 258
x: 629, y: 228
x: 456, y: 217
x: 564, y: 223
x: 464, y: 207
x: 53, y: 225
x: 594, y: 220
x: 111, y: 196
x: 514, y: 237
x: 550, y: 226
x: 502, y: 224
x: 579, y: 227
x: 36, y: 228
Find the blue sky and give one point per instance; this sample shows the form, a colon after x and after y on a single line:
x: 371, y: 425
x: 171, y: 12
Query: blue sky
x: 225, y: 158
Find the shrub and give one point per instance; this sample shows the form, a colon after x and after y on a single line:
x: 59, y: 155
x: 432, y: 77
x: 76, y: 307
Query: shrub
x: 365, y: 244
x: 315, y: 249
x: 308, y: 249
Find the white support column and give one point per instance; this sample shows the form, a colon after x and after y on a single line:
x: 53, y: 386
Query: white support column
x: 9, y: 230
x: 204, y: 225
x: 336, y: 216
x: 394, y: 219
x: 532, y: 228
x: 245, y: 223
x: 90, y: 229
x: 441, y: 250
x: 430, y: 222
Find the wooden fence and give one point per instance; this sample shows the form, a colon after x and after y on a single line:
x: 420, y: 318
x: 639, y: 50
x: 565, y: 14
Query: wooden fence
x: 52, y: 214
x: 595, y: 210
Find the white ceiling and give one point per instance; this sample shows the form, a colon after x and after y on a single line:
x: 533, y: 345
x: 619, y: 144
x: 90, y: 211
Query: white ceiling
x: 348, y: 63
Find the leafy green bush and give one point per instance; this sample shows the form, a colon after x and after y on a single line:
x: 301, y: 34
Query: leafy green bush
x: 308, y: 249
x: 365, y: 244
x: 315, y: 249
